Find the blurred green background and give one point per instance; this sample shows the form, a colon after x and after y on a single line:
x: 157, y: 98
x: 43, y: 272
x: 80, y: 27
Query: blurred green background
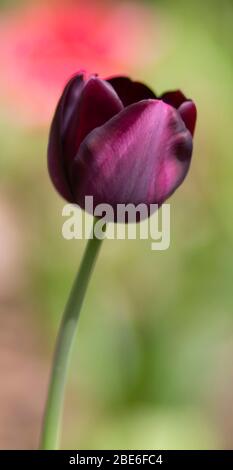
x: 152, y: 365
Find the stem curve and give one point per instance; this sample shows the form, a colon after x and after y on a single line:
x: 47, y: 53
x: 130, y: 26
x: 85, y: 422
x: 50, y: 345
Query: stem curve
x: 50, y: 435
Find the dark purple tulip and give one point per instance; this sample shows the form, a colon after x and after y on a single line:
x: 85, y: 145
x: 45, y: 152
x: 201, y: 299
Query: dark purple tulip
x: 116, y: 141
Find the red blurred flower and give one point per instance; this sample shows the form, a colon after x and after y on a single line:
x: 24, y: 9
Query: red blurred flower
x: 42, y: 45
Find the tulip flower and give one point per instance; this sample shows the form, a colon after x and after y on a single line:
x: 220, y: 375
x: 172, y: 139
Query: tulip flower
x: 116, y: 141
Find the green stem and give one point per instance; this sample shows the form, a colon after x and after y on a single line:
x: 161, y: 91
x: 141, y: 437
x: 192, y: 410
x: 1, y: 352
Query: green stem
x: 53, y: 412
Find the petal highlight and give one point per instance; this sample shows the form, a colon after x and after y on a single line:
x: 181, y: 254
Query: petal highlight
x: 140, y: 155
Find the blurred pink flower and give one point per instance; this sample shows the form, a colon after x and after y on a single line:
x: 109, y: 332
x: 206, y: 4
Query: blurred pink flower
x: 42, y: 45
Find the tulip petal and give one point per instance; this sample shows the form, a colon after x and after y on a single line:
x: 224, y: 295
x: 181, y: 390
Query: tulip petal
x: 130, y: 92
x: 97, y: 103
x: 56, y: 163
x: 139, y: 156
x: 82, y: 106
x: 174, y: 98
x: 188, y: 113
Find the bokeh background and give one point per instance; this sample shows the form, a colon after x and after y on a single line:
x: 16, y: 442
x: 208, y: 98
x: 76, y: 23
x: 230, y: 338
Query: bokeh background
x: 152, y: 365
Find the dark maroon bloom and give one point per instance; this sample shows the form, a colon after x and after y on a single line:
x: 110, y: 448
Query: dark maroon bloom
x: 116, y: 141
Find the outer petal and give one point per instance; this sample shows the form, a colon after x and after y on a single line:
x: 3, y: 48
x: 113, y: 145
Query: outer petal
x: 140, y: 155
x: 97, y: 103
x: 56, y: 161
x: 188, y: 113
x: 83, y: 106
x: 186, y: 108
x: 130, y: 92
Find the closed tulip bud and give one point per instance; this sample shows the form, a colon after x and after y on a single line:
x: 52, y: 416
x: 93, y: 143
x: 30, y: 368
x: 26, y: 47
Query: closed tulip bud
x: 116, y: 141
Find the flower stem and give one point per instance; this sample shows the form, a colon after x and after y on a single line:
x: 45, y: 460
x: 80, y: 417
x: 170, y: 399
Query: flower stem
x: 50, y: 436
